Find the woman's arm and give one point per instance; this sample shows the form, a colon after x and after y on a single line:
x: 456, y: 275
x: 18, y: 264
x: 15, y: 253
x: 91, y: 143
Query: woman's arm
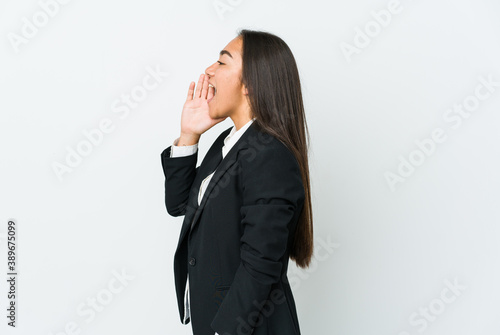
x: 179, y: 167
x: 181, y: 171
x: 273, y: 193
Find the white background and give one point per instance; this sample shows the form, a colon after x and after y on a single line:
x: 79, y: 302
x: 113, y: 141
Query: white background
x: 395, y: 248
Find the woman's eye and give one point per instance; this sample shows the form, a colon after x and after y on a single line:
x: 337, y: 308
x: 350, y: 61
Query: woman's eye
x: 220, y: 63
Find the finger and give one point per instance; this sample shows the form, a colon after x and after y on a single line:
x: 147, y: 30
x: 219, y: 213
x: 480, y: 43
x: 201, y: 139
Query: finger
x: 211, y: 91
x: 204, y: 89
x: 190, y: 91
x: 198, y: 87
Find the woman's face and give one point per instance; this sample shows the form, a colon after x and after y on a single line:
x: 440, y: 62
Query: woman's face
x: 224, y: 75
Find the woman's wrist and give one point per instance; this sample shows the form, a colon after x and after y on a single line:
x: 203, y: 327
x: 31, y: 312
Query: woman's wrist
x: 188, y: 139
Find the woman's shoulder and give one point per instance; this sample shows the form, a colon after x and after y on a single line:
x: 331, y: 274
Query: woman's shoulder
x: 266, y: 149
x: 269, y: 167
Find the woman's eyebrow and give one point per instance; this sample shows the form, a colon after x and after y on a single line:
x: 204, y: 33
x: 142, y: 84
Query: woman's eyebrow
x: 225, y: 52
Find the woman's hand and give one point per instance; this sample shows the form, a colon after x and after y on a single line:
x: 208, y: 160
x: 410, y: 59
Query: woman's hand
x: 195, y: 119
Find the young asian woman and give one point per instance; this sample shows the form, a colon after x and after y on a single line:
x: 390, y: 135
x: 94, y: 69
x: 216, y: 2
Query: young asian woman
x: 247, y: 206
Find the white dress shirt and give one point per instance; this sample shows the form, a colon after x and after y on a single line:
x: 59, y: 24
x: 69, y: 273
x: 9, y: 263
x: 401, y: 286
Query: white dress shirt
x: 186, y: 150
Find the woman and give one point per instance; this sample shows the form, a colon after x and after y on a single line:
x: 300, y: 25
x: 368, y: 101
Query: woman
x: 247, y: 207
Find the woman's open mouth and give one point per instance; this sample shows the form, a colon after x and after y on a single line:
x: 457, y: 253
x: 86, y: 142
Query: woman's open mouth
x: 215, y: 91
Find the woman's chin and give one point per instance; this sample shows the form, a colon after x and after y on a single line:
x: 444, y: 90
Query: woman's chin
x: 212, y: 112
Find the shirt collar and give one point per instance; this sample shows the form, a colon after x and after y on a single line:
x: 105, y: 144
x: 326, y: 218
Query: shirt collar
x: 233, y: 137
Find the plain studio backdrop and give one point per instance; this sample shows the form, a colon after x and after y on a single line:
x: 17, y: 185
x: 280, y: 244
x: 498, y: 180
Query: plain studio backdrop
x: 402, y: 101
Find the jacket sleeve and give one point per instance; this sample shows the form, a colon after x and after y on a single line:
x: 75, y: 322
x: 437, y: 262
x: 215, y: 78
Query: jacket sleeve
x: 272, y: 193
x: 179, y: 176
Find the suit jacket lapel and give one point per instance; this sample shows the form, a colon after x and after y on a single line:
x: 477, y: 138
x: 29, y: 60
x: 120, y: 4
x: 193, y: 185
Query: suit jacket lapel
x: 192, y: 218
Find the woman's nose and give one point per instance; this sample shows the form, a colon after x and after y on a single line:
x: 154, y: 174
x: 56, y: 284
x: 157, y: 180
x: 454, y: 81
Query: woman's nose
x: 210, y: 70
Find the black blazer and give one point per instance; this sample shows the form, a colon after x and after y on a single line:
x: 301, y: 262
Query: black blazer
x: 235, y: 244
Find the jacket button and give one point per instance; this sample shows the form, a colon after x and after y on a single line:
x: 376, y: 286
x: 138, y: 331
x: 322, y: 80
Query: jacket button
x: 192, y: 261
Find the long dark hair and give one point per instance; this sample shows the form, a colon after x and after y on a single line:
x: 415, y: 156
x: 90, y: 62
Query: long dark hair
x: 271, y: 76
